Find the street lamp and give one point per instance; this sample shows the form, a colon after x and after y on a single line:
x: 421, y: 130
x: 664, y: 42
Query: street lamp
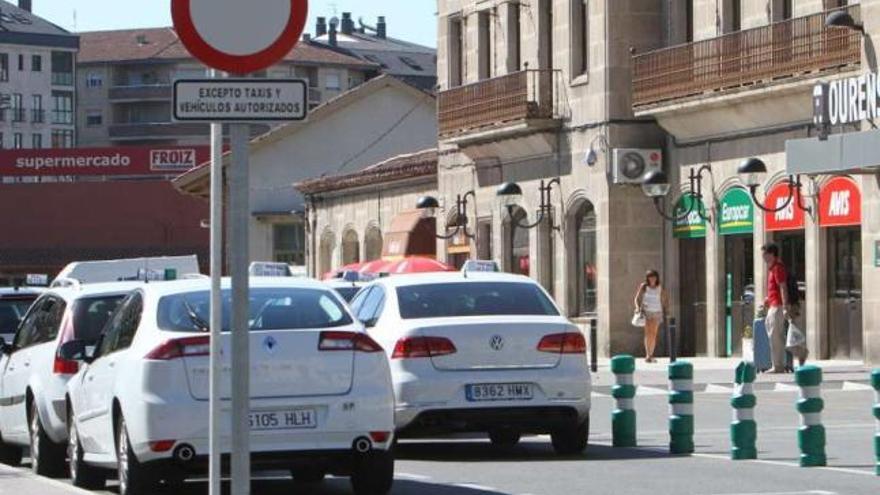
x: 430, y: 205
x: 656, y: 186
x: 752, y: 170
x: 511, y: 194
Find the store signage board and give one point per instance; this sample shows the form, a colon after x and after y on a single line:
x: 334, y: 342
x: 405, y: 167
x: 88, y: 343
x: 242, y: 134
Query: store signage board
x: 240, y: 100
x: 846, y: 101
x: 736, y: 213
x: 840, y: 203
x: 791, y: 217
x: 692, y: 226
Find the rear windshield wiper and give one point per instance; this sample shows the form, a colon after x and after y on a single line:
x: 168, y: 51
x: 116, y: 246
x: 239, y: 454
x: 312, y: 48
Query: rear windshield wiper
x: 197, y: 320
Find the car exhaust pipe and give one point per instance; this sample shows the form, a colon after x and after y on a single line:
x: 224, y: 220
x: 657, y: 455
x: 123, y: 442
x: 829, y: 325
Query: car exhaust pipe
x: 184, y: 453
x: 362, y: 445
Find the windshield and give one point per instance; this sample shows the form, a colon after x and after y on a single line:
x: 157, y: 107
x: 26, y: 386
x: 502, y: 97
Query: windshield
x: 473, y: 299
x: 347, y: 293
x: 12, y: 311
x: 91, y: 314
x: 270, y: 309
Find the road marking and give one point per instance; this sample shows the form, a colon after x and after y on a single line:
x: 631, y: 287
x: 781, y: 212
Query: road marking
x: 414, y: 477
x: 786, y: 387
x: 794, y: 465
x: 642, y: 390
x: 717, y: 389
x: 853, y: 386
x: 597, y: 395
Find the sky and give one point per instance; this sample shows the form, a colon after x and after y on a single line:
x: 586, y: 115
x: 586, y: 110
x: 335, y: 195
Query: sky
x: 411, y: 20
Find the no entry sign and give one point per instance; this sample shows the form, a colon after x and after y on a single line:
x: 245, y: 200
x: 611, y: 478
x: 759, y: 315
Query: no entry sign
x: 239, y: 36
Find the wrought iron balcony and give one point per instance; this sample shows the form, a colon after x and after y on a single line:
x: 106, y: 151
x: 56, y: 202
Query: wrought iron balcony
x: 796, y: 48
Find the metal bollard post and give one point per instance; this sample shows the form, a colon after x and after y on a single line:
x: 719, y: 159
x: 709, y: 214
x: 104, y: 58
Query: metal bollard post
x: 811, y: 435
x: 594, y: 346
x: 744, y: 430
x: 623, y: 418
x: 670, y: 338
x: 681, y: 401
x: 875, y: 381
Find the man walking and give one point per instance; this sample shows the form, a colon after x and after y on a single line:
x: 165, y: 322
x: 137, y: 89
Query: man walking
x: 776, y: 304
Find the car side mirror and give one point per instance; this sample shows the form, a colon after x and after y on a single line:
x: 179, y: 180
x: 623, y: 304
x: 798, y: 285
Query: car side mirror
x: 76, y: 350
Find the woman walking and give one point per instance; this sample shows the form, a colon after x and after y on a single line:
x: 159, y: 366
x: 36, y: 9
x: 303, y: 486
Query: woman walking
x: 653, y: 302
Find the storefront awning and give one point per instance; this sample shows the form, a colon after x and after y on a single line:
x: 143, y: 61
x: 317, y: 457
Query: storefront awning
x: 851, y: 153
x: 736, y: 213
x: 791, y: 217
x: 840, y: 203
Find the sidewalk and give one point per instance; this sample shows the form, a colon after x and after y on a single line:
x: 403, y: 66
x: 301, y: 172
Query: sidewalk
x: 22, y: 481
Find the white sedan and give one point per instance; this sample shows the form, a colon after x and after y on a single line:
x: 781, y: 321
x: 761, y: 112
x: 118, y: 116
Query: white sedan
x: 480, y: 352
x: 321, y: 397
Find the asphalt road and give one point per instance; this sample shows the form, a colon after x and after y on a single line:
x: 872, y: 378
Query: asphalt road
x: 473, y: 467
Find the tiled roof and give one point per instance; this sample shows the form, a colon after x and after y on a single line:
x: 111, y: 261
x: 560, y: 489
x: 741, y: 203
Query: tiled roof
x: 163, y: 44
x: 421, y: 164
x: 18, y: 20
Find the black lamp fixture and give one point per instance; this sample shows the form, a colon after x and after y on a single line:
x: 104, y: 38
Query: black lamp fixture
x: 430, y: 205
x: 511, y: 196
x: 843, y: 19
x: 753, y: 170
x: 656, y: 186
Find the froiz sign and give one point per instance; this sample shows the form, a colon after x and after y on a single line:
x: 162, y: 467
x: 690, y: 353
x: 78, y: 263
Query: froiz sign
x: 847, y: 101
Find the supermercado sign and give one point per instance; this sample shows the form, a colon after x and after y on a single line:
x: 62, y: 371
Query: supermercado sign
x: 848, y: 100
x: 840, y: 203
x: 736, y: 213
x: 123, y: 160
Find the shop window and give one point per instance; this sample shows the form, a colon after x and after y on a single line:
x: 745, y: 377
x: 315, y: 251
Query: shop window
x: 372, y: 244
x: 580, y: 22
x: 585, y: 272
x: 518, y: 240
x: 351, y: 249
x: 456, y: 51
x: 288, y: 241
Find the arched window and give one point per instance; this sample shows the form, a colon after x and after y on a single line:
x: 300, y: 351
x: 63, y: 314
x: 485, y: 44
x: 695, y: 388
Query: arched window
x: 351, y: 248
x: 585, y: 272
x: 326, y: 253
x: 518, y: 240
x: 372, y: 244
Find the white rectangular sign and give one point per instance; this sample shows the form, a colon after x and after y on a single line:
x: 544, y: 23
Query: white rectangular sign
x: 240, y: 100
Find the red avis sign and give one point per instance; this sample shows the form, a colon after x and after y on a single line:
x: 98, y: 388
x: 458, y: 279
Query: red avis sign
x: 789, y: 218
x: 840, y: 203
x: 239, y: 36
x: 128, y: 160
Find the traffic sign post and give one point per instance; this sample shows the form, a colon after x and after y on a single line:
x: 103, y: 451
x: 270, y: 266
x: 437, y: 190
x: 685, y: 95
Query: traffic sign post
x: 263, y: 33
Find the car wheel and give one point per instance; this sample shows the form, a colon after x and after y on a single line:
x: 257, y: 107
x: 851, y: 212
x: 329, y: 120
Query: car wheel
x: 571, y: 440
x: 504, y: 437
x: 307, y: 476
x: 47, y: 457
x: 133, y: 477
x: 373, y: 473
x: 9, y: 454
x: 81, y: 474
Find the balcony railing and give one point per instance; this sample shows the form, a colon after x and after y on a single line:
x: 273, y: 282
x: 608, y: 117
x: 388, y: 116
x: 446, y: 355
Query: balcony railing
x: 141, y: 92
x: 783, y: 50
x: 19, y: 114
x: 62, y: 78
x: 38, y: 115
x: 520, y: 96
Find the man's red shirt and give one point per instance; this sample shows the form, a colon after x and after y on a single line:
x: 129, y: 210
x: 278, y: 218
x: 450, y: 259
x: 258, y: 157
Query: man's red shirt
x: 776, y: 278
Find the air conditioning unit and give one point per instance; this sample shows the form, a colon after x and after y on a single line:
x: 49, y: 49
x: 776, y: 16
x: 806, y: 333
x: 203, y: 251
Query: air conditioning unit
x: 631, y: 165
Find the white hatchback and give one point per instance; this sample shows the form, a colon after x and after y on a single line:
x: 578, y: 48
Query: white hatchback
x: 321, y: 397
x: 480, y: 352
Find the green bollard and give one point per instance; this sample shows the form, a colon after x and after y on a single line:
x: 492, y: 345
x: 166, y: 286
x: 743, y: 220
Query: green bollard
x: 623, y: 418
x: 811, y: 435
x: 875, y: 381
x: 744, y: 430
x: 681, y: 402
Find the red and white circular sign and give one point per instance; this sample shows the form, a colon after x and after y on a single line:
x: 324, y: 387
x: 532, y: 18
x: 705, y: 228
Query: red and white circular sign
x: 239, y: 36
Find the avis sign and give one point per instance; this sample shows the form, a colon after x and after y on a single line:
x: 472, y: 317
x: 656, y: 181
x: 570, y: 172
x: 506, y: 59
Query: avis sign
x: 840, y: 203
x: 789, y: 216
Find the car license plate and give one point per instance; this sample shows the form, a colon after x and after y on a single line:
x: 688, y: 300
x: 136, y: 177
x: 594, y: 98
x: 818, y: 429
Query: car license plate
x: 294, y: 419
x: 498, y: 392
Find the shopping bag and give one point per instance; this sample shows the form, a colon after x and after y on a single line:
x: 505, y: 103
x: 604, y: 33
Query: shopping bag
x: 638, y: 319
x: 795, y: 339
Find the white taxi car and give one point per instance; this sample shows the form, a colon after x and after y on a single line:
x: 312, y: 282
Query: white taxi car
x: 321, y: 397
x: 480, y: 352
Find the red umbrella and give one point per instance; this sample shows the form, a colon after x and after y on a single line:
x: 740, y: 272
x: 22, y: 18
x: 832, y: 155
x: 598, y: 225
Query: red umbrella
x: 416, y: 265
x: 375, y: 266
x: 337, y: 273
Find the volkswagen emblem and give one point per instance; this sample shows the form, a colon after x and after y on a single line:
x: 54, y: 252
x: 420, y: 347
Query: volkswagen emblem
x: 496, y: 342
x: 270, y: 344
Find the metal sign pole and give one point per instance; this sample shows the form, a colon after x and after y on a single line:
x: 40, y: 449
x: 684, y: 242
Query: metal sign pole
x: 214, y: 470
x: 239, y: 192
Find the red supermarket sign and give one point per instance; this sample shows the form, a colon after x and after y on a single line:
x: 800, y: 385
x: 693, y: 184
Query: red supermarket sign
x: 840, y: 203
x: 789, y: 216
x: 123, y: 160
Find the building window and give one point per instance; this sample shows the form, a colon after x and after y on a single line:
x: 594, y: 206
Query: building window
x: 456, y: 51
x: 37, y: 141
x: 95, y: 118
x: 62, y: 138
x: 18, y: 141
x: 18, y: 108
x: 514, y: 41
x: 580, y: 28
x: 325, y: 258
x: 20, y: 61
x: 689, y: 20
x: 518, y: 240
x: 731, y: 16
x: 585, y: 273
x: 94, y: 80
x: 485, y: 45
x: 484, y: 239
x: 288, y: 240
x: 2, y: 143
x: 332, y: 81
x: 355, y: 81
x: 36, y: 63
x: 545, y: 34
x: 39, y: 115
x: 351, y: 248
x: 62, y: 68
x: 62, y: 107
x: 834, y: 4
x: 4, y: 67
x: 373, y: 244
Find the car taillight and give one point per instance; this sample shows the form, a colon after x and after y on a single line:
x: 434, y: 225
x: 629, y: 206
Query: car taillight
x: 178, y: 348
x: 422, y: 347
x: 347, y: 341
x: 563, y: 343
x: 64, y: 367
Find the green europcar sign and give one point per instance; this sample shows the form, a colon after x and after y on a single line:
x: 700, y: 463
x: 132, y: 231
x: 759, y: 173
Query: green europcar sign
x: 736, y: 213
x: 692, y: 226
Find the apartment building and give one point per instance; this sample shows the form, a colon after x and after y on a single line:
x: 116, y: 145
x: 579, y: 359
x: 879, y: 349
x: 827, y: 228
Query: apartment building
x: 37, y: 92
x: 125, y: 85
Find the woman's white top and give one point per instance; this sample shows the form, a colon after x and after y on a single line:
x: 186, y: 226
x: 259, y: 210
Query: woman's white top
x: 651, y: 301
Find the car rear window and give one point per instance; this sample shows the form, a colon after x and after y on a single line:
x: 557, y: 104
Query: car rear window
x: 91, y: 314
x: 270, y: 309
x: 12, y: 311
x: 347, y: 293
x: 473, y: 299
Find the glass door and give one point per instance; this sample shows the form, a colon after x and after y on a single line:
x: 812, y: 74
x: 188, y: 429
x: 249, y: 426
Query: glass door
x: 845, y: 305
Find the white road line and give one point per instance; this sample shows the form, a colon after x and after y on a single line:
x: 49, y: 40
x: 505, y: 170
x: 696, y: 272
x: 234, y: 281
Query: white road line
x: 597, y: 395
x: 792, y: 464
x: 717, y: 389
x: 786, y: 387
x: 853, y: 386
x: 641, y: 390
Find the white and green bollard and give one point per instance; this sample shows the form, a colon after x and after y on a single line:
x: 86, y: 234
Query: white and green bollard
x: 623, y: 418
x: 875, y: 381
x: 811, y: 435
x: 681, y: 402
x: 744, y: 430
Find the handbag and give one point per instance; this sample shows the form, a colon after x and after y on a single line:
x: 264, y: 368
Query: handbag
x: 638, y: 319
